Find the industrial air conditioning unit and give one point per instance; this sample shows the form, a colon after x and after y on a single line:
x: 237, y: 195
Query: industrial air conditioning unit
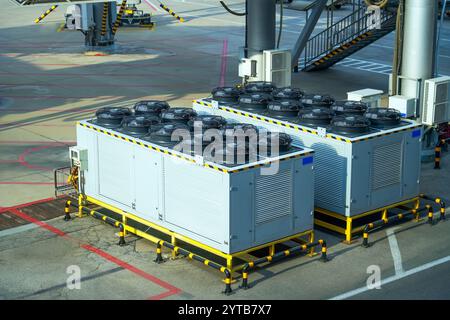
x: 436, y: 102
x: 359, y: 166
x: 229, y: 207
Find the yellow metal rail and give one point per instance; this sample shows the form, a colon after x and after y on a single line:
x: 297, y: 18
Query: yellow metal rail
x: 45, y: 14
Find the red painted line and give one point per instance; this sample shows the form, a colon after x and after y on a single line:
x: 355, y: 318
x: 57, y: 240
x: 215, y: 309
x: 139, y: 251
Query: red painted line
x: 139, y: 272
x: 223, y: 67
x: 171, y: 289
x: 22, y: 161
x: 38, y: 222
x: 163, y: 295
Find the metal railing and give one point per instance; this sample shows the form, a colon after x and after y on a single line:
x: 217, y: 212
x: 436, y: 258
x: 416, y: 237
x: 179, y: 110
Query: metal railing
x: 61, y: 184
x: 343, y: 31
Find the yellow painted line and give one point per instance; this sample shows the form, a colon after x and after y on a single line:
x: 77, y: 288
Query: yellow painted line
x: 61, y: 27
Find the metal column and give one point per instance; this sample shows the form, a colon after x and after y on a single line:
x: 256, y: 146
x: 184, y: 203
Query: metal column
x: 260, y: 36
x: 418, y: 47
x: 94, y: 36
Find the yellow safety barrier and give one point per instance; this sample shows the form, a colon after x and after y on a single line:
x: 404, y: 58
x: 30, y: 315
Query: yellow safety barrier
x: 46, y: 13
x: 119, y: 16
x: 104, y: 17
x: 173, y: 14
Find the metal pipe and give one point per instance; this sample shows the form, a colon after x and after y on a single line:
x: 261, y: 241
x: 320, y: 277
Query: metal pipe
x: 418, y: 46
x: 438, y: 38
x: 261, y: 25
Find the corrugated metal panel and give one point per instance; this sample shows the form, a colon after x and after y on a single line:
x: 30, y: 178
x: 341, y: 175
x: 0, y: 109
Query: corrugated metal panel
x: 330, y: 175
x: 273, y: 196
x: 386, y: 165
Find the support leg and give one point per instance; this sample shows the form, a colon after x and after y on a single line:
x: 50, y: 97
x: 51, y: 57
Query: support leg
x: 348, y: 231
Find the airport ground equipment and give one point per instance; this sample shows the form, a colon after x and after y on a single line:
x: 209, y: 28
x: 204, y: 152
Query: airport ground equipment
x: 231, y: 265
x: 356, y: 174
x: 199, y: 199
x: 132, y: 15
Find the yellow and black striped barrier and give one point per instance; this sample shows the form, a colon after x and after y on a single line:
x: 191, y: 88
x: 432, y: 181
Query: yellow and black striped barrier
x: 437, y: 200
x: 437, y: 153
x: 173, y: 14
x: 279, y: 256
x: 104, y: 17
x: 99, y: 216
x: 415, y: 212
x: 67, y: 210
x: 119, y: 17
x: 46, y: 13
x: 195, y: 257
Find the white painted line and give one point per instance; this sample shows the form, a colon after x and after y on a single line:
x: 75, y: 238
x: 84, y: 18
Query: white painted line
x: 155, y: 8
x: 15, y: 230
x: 395, y: 251
x: 26, y: 227
x: 380, y: 46
x: 408, y: 273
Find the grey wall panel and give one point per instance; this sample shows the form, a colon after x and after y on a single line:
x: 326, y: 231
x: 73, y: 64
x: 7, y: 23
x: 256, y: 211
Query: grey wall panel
x: 116, y: 170
x: 148, y: 183
x: 197, y: 200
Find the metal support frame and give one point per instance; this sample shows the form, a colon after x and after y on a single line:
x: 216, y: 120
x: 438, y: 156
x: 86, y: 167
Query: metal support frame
x: 415, y: 212
x: 311, y: 22
x: 281, y: 255
x: 349, y: 229
x: 228, y: 268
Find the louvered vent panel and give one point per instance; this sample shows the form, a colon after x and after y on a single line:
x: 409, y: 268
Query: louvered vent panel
x: 330, y: 175
x: 273, y: 196
x: 386, y: 165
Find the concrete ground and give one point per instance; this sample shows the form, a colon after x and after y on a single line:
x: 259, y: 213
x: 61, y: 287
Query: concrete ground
x: 47, y: 83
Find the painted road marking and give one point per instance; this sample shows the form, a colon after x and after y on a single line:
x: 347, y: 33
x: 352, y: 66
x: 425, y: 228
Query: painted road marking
x: 170, y: 289
x: 396, y: 277
x: 365, y: 65
x: 395, y: 251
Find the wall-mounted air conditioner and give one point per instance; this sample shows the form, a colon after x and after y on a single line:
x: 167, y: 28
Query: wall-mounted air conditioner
x: 436, y: 102
x: 277, y: 67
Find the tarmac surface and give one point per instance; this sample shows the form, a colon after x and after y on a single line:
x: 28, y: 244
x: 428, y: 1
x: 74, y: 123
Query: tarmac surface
x: 47, y: 83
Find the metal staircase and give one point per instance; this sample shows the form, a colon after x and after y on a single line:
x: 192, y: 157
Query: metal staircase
x: 345, y: 37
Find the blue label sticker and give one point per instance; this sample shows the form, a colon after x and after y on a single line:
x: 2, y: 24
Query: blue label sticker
x: 307, y: 160
x: 416, y: 133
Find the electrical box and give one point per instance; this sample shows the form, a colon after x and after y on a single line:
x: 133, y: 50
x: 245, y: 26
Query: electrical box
x: 78, y: 158
x: 247, y: 68
x: 370, y: 96
x: 277, y: 67
x: 436, y: 103
x: 406, y: 106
